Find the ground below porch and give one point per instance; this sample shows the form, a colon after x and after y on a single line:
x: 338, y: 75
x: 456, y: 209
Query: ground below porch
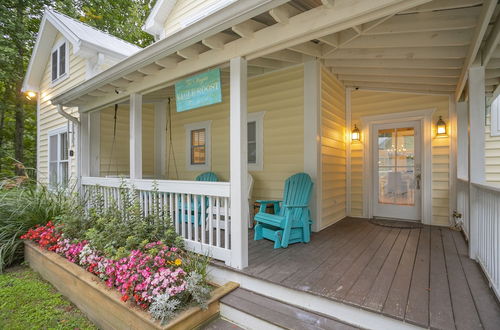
x: 420, y: 275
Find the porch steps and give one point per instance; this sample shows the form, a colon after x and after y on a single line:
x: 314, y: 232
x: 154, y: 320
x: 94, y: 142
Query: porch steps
x: 220, y: 324
x: 254, y: 311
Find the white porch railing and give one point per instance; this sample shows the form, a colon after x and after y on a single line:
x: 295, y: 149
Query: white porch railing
x: 197, y: 209
x: 485, y: 231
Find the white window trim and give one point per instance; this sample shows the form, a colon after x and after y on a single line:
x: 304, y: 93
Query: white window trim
x: 58, y: 132
x: 208, y: 145
x: 66, y: 74
x: 495, y: 117
x: 258, y: 118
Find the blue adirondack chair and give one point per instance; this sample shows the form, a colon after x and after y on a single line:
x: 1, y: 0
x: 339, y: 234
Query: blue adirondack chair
x: 195, y: 201
x: 291, y: 221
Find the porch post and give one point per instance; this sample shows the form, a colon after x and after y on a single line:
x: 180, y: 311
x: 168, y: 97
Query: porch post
x: 95, y: 143
x: 312, y: 135
x: 477, y: 108
x: 135, y: 136
x: 160, y: 140
x: 238, y: 162
x: 84, y: 146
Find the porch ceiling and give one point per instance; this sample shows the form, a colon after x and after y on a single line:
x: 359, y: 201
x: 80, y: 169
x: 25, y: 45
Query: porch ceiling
x: 415, y: 45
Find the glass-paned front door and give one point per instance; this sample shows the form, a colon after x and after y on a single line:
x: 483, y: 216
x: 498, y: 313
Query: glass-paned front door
x: 397, y: 170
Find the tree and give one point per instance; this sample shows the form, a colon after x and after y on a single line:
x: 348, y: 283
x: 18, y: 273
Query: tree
x: 19, y: 23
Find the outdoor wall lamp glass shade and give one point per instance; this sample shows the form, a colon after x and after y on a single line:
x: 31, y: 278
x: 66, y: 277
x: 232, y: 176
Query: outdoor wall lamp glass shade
x: 30, y: 95
x: 355, y: 134
x: 441, y: 127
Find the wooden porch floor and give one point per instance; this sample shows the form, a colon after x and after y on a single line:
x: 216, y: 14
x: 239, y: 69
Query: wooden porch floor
x: 422, y: 276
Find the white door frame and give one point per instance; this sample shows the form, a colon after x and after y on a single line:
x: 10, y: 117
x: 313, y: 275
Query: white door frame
x: 367, y: 123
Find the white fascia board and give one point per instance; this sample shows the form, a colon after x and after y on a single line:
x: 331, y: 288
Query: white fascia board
x: 235, y: 13
x: 158, y: 16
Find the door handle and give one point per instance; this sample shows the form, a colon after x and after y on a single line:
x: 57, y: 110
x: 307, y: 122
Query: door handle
x: 418, y: 177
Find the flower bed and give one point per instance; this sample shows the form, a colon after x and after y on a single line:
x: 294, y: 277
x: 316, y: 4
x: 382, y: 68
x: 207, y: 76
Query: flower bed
x: 149, y: 278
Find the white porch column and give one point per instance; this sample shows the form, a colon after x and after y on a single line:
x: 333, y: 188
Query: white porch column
x: 238, y: 162
x: 84, y: 144
x: 477, y: 109
x: 95, y: 143
x: 312, y: 135
x: 135, y: 136
x: 160, y: 140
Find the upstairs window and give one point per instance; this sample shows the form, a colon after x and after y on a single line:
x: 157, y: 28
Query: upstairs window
x: 58, y: 158
x: 59, y: 60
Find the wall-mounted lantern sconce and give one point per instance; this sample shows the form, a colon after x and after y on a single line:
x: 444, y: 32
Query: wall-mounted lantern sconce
x: 30, y: 95
x: 441, y: 127
x: 356, y: 134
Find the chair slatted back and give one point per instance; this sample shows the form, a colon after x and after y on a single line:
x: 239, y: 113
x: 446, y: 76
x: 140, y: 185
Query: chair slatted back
x: 297, y: 191
x: 207, y: 176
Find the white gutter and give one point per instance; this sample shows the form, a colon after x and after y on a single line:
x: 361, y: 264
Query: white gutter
x: 235, y: 13
x: 66, y: 115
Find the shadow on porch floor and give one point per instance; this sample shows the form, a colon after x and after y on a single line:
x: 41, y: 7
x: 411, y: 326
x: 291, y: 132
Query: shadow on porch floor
x: 420, y: 275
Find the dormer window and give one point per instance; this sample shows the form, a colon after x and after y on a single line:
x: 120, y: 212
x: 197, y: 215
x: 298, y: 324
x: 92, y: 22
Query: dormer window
x: 59, y: 60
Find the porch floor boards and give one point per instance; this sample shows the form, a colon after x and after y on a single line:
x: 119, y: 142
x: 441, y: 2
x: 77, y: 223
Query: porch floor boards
x: 420, y: 275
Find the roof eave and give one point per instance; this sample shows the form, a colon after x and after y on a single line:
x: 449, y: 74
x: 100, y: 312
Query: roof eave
x: 221, y: 20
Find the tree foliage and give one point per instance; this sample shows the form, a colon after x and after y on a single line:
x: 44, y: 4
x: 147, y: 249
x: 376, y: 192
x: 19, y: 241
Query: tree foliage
x: 19, y: 24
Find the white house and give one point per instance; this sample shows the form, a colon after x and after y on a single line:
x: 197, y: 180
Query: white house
x: 389, y: 105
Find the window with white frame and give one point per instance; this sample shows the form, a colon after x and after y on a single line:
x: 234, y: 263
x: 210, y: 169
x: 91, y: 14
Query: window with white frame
x: 255, y: 134
x: 58, y: 158
x: 198, y: 148
x: 495, y: 117
x: 59, y: 61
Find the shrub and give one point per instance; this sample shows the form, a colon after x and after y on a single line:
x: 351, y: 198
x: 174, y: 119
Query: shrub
x: 24, y: 207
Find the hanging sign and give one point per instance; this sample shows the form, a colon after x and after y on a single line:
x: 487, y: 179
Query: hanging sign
x: 198, y: 91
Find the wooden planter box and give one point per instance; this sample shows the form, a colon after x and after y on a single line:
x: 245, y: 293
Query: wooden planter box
x: 101, y: 304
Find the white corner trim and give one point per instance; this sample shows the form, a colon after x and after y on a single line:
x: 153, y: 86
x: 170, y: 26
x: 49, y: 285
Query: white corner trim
x: 312, y: 136
x: 348, y: 121
x: 207, y: 125
x: 425, y: 117
x: 258, y: 118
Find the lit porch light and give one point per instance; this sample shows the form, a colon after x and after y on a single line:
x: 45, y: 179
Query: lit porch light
x: 30, y: 95
x: 441, y: 127
x: 356, y: 134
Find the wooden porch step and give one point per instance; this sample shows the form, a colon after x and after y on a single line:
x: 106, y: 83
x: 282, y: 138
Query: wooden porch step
x: 220, y: 324
x: 255, y: 311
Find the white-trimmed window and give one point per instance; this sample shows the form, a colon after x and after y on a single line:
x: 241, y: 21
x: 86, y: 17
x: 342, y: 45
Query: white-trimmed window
x: 59, y: 62
x: 58, y: 157
x: 495, y: 117
x: 198, y: 146
x: 255, y: 134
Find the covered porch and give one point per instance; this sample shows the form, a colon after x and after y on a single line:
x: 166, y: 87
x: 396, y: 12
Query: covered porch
x: 358, y: 60
x: 422, y: 275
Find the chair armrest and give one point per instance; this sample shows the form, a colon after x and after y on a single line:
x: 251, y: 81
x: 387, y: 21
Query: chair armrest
x: 296, y: 206
x: 268, y: 201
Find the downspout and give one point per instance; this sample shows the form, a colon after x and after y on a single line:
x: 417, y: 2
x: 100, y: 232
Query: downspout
x: 76, y: 125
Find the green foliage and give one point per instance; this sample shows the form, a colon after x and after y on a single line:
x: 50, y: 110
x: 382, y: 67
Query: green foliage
x: 27, y: 302
x: 24, y: 207
x: 19, y: 23
x: 120, y: 227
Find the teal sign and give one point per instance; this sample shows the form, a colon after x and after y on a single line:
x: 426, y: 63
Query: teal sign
x: 198, y: 91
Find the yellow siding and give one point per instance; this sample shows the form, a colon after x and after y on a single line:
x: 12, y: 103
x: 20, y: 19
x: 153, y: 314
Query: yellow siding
x: 333, y: 151
x: 279, y: 94
x: 184, y: 9
x: 367, y: 103
x: 115, y: 160
x: 492, y: 153
x: 48, y: 118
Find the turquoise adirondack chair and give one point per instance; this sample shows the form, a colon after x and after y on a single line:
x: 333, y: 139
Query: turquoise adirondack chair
x: 291, y: 221
x: 196, y: 200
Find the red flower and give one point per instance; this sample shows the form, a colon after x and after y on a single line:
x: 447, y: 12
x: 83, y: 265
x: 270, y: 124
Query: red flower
x: 124, y: 298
